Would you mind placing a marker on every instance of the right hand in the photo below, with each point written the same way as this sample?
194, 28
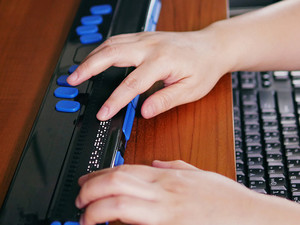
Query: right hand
189, 64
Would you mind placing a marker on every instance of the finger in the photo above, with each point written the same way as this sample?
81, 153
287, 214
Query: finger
165, 99
127, 209
177, 164
112, 55
139, 81
115, 40
146, 173
116, 183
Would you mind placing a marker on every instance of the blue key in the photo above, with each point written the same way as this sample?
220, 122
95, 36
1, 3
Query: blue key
91, 38
67, 106
72, 68
91, 20
101, 9
55, 223
66, 92
71, 223
62, 81
86, 29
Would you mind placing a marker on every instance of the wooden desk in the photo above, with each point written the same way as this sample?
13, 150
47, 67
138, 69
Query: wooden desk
32, 34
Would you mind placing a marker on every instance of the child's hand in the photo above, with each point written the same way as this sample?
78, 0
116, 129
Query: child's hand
188, 63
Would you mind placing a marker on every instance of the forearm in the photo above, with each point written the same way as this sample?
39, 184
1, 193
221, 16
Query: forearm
267, 39
274, 210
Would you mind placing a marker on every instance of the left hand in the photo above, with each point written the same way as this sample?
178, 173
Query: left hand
167, 193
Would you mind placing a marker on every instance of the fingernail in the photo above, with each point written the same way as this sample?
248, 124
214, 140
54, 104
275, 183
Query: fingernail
148, 111
78, 203
103, 113
73, 77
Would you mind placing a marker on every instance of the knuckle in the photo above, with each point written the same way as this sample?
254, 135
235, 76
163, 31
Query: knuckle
115, 177
120, 203
131, 83
111, 51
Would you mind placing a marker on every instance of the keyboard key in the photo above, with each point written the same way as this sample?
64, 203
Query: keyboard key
67, 106
101, 9
72, 68
66, 92
91, 38
267, 101
257, 184
86, 29
56, 223
62, 81
281, 75
285, 102
71, 223
92, 20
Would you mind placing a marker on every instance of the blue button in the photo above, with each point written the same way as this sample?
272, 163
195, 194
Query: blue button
67, 106
135, 101
72, 68
62, 81
66, 92
101, 9
86, 29
55, 223
71, 223
119, 160
90, 38
128, 122
89, 20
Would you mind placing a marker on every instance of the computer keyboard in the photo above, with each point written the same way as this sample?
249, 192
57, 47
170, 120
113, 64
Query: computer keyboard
66, 140
266, 124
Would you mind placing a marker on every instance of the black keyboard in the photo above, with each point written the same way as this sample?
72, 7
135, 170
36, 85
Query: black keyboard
266, 125
67, 140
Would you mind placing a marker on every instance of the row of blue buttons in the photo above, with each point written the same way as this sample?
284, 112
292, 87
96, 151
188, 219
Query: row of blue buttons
65, 91
88, 31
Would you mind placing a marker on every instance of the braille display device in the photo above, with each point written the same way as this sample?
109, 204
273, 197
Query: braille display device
67, 141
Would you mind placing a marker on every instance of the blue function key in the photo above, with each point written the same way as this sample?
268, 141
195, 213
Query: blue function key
67, 106
87, 29
66, 92
71, 223
72, 68
92, 20
91, 38
56, 223
62, 81
101, 9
